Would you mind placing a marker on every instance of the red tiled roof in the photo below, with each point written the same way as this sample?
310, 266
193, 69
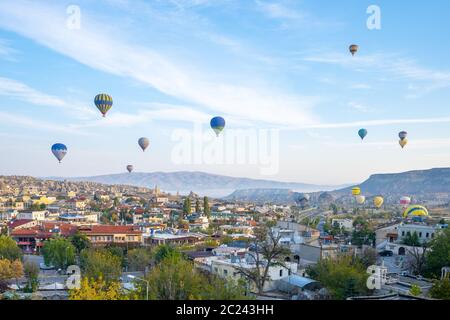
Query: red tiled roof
16, 223
43, 230
109, 229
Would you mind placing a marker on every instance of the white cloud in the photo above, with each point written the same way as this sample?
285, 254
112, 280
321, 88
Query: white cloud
18, 90
46, 25
27, 122
390, 64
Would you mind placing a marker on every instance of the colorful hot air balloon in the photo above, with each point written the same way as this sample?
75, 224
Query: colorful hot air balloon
360, 199
130, 168
356, 191
143, 143
378, 202
59, 151
362, 133
405, 201
403, 142
217, 124
415, 211
103, 102
402, 135
353, 49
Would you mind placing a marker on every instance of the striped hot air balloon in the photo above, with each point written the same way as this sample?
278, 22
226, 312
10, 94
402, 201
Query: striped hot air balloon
103, 102
415, 211
356, 191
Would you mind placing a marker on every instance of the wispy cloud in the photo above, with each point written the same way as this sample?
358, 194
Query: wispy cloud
33, 123
7, 52
46, 25
395, 66
20, 91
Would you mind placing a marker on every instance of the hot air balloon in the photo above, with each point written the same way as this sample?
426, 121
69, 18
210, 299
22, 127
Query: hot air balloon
353, 49
143, 143
360, 199
378, 202
59, 151
130, 168
217, 124
103, 102
402, 135
362, 133
356, 191
415, 211
405, 201
403, 142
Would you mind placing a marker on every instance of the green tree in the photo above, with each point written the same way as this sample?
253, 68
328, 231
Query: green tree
58, 252
197, 206
175, 278
9, 249
31, 272
206, 208
80, 241
187, 206
164, 251
441, 289
412, 240
139, 259
343, 276
100, 263
439, 254
415, 290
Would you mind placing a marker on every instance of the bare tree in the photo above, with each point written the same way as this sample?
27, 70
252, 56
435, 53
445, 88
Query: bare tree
267, 251
417, 259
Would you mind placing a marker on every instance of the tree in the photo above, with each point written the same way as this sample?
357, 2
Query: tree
441, 289
267, 252
80, 242
164, 251
9, 249
139, 259
206, 208
369, 257
363, 233
439, 254
10, 270
415, 290
58, 252
412, 240
187, 207
100, 263
31, 272
343, 276
98, 289
416, 260
175, 278
197, 206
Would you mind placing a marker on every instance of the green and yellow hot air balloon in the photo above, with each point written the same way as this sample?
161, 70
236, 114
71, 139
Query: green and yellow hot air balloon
378, 201
415, 211
103, 102
356, 191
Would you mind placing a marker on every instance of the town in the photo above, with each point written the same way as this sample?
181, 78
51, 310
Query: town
135, 243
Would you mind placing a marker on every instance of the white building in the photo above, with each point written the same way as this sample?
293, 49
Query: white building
31, 215
346, 224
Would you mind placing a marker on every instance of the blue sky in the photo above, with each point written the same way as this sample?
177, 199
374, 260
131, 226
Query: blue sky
281, 64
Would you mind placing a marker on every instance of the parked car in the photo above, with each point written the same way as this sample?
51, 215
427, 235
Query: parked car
43, 266
386, 253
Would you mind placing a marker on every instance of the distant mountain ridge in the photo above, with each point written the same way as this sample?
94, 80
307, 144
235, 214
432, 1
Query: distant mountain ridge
200, 182
417, 182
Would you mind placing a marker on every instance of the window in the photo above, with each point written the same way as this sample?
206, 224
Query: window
427, 235
281, 272
403, 233
432, 235
225, 271
420, 234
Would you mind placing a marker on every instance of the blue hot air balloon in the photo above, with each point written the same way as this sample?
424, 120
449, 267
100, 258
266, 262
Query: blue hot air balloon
362, 133
217, 124
59, 151
103, 102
